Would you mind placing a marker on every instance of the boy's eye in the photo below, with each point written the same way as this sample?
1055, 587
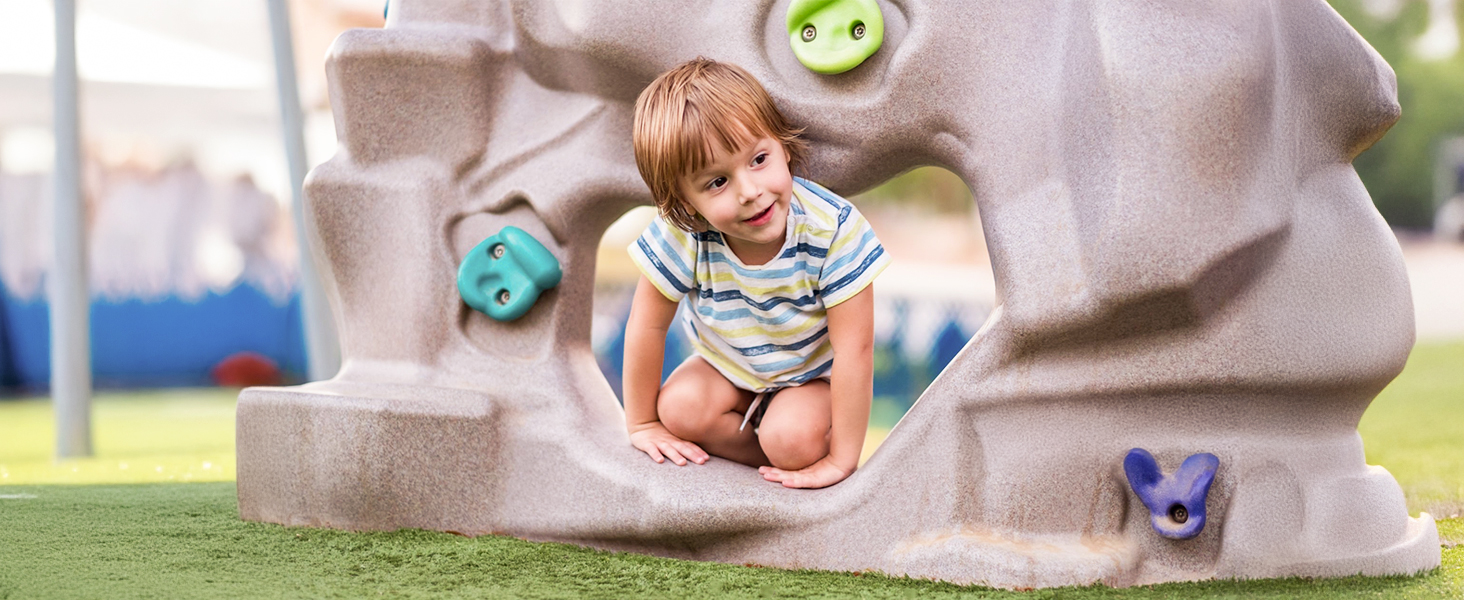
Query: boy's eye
760, 158
716, 183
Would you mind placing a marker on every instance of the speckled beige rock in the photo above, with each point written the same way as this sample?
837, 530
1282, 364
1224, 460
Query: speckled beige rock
1187, 260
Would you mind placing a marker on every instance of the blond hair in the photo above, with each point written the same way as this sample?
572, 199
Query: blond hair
685, 110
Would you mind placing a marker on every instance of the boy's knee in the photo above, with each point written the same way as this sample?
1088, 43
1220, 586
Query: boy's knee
683, 416
793, 446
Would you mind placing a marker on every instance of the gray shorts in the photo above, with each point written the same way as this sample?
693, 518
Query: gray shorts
759, 406
757, 409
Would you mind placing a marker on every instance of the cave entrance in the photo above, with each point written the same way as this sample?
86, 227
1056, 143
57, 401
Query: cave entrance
934, 296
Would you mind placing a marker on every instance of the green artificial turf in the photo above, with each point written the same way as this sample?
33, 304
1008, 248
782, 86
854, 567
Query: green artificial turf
186, 541
138, 437
1415, 429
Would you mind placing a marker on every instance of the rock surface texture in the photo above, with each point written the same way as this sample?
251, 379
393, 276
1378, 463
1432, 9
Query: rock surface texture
1186, 259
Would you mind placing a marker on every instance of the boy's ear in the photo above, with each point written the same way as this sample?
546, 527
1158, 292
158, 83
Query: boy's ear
677, 200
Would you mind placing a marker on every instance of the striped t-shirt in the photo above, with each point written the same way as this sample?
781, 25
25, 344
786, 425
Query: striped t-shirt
766, 326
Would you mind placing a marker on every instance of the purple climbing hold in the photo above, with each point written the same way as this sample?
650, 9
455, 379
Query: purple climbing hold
1176, 502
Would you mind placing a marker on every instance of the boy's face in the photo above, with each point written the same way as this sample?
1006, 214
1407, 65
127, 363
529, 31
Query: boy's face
744, 194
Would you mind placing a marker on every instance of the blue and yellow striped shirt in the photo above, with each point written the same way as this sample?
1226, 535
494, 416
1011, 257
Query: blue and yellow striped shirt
766, 326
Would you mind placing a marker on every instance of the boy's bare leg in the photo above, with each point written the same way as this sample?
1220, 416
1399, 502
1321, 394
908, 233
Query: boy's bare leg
699, 405
795, 430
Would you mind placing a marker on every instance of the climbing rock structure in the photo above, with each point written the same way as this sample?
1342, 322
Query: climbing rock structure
1187, 263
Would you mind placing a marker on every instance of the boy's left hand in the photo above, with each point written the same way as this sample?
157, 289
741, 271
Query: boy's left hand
823, 473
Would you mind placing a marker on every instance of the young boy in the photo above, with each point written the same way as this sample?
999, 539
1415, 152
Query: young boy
775, 273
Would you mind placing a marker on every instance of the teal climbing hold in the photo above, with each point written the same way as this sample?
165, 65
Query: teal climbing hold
504, 274
833, 36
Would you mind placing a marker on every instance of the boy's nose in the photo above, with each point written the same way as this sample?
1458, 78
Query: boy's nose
747, 189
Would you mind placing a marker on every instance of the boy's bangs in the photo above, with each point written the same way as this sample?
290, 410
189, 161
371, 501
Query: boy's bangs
702, 134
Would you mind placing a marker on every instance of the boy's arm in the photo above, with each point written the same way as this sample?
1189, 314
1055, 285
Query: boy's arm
851, 332
645, 348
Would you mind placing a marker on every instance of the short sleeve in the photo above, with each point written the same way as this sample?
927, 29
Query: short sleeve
666, 255
854, 259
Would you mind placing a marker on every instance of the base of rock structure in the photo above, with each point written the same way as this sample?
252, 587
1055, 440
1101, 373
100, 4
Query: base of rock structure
375, 456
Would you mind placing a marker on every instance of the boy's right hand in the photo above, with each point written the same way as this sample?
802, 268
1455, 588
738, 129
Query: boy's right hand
655, 440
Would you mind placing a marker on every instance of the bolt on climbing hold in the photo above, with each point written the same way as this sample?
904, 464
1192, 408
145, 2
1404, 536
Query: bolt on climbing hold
1176, 502
504, 274
833, 36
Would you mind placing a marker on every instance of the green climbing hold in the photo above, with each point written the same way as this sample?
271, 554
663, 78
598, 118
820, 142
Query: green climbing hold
833, 36
504, 274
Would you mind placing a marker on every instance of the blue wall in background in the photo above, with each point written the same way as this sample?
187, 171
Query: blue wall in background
176, 343
169, 342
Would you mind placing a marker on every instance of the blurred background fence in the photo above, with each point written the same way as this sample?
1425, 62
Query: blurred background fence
185, 274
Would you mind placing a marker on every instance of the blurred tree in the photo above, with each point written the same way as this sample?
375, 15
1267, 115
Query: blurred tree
1399, 169
926, 189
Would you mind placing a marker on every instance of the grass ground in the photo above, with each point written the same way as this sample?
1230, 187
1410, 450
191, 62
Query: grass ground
1415, 429
139, 437
159, 537
186, 541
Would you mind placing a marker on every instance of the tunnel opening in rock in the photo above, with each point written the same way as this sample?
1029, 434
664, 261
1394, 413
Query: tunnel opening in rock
933, 298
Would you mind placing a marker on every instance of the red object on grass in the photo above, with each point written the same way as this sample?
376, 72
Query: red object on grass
245, 369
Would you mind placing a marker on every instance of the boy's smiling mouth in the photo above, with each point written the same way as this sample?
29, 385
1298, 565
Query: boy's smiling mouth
760, 218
